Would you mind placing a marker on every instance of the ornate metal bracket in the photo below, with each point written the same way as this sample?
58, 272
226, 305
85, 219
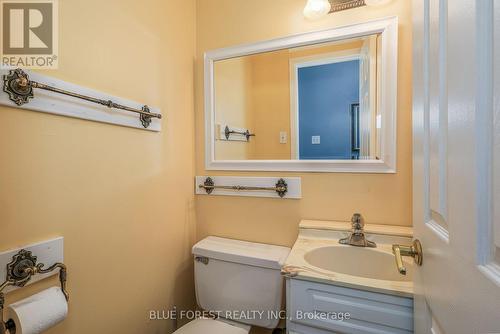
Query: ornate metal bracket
281, 187
16, 85
19, 272
339, 5
20, 89
208, 185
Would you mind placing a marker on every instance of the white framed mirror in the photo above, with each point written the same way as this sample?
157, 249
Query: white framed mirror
322, 101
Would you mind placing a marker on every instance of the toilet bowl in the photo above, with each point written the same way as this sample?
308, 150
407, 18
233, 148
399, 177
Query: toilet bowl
211, 326
239, 281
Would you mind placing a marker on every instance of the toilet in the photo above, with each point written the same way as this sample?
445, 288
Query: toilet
240, 282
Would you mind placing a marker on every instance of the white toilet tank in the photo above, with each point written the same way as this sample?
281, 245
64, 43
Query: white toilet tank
240, 279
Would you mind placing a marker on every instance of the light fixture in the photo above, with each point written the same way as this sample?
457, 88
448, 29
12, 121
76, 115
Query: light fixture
377, 2
316, 9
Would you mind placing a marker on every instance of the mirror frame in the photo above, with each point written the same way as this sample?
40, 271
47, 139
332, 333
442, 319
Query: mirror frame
388, 28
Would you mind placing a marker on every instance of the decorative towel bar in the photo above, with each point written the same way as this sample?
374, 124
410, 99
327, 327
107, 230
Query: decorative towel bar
281, 187
246, 133
20, 89
19, 272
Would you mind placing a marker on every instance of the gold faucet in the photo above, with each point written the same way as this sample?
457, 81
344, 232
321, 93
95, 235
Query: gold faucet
414, 251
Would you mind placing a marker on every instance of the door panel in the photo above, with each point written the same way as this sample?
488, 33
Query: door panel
488, 95
454, 125
496, 134
437, 118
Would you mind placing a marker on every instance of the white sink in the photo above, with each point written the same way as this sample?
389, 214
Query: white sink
357, 261
324, 275
318, 256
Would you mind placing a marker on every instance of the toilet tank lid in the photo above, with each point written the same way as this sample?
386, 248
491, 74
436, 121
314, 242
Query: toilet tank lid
243, 252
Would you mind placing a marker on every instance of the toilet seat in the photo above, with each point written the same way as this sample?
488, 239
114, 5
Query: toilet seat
209, 326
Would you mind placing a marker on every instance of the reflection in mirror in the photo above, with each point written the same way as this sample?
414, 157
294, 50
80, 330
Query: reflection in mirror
313, 102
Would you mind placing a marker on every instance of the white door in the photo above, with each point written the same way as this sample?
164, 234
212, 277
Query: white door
456, 126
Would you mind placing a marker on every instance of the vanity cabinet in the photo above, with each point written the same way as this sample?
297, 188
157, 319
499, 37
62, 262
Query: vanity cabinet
317, 308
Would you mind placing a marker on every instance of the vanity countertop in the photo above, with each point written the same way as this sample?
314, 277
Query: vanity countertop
314, 235
402, 231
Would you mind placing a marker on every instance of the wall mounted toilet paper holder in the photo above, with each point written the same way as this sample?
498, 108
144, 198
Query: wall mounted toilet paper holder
19, 272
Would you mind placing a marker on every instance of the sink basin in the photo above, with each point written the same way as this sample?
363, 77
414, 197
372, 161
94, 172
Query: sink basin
358, 261
317, 256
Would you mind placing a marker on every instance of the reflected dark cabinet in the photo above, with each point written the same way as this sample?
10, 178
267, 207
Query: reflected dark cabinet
355, 131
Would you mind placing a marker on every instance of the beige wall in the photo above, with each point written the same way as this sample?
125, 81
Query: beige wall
384, 199
122, 198
253, 92
233, 102
271, 104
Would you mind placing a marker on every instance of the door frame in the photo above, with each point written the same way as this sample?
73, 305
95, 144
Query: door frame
302, 62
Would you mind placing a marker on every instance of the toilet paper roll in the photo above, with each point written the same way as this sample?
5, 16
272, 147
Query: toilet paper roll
39, 312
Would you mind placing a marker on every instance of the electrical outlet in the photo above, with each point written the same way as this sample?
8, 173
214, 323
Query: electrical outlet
283, 137
316, 140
